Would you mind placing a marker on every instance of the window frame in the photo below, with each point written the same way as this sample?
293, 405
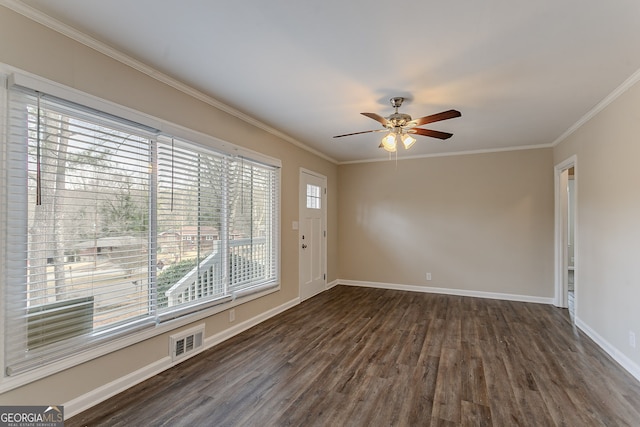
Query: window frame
12, 77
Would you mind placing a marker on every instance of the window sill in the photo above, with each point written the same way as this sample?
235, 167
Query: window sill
12, 382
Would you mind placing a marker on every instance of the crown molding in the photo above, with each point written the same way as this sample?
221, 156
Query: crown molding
626, 85
74, 34
453, 153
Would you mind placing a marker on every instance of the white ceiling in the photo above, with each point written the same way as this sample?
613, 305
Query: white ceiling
521, 72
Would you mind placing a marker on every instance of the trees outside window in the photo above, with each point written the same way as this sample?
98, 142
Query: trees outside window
133, 223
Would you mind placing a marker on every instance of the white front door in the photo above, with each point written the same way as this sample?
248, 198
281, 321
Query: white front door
312, 234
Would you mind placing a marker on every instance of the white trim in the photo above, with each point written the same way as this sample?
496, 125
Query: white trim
332, 284
165, 128
3, 200
9, 383
448, 291
560, 292
26, 79
633, 79
50, 87
86, 401
208, 141
301, 208
100, 394
450, 154
628, 364
72, 33
250, 323
312, 173
626, 85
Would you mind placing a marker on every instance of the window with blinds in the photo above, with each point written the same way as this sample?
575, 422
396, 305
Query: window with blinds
216, 227
111, 226
252, 226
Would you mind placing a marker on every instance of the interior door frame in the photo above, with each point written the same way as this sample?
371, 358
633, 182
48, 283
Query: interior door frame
301, 206
561, 232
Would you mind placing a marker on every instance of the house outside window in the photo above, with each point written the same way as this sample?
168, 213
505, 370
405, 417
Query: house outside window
96, 210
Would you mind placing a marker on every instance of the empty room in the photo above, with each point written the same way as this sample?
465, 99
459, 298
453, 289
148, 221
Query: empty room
319, 213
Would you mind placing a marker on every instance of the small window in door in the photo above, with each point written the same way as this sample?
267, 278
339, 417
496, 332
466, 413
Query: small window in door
313, 197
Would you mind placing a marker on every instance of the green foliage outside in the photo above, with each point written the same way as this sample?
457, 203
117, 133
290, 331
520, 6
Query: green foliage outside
170, 275
244, 268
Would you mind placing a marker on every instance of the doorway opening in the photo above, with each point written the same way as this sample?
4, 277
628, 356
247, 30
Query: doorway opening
566, 290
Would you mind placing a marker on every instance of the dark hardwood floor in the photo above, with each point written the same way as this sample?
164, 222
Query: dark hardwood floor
369, 357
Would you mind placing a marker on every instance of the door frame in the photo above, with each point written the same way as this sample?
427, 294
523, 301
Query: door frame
301, 207
561, 233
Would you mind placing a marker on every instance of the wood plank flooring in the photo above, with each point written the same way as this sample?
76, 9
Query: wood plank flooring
370, 357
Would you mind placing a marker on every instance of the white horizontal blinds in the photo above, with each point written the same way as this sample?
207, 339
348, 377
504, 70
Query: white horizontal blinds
108, 226
191, 225
14, 213
253, 225
79, 189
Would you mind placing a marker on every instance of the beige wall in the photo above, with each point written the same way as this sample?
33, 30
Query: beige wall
607, 148
481, 222
31, 47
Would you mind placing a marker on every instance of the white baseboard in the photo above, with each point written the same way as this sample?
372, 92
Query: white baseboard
100, 394
448, 291
616, 354
243, 326
332, 284
106, 391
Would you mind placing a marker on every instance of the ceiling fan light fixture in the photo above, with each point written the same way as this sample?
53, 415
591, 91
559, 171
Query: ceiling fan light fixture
389, 142
401, 127
407, 140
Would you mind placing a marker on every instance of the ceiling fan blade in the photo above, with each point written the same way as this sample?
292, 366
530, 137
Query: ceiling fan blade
358, 133
445, 115
378, 118
431, 133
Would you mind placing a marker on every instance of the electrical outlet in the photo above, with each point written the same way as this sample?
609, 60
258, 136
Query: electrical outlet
428, 276
232, 315
632, 339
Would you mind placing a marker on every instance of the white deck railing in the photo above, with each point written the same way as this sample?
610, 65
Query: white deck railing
247, 262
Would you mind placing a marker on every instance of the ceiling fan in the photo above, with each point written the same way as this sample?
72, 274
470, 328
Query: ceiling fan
400, 126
